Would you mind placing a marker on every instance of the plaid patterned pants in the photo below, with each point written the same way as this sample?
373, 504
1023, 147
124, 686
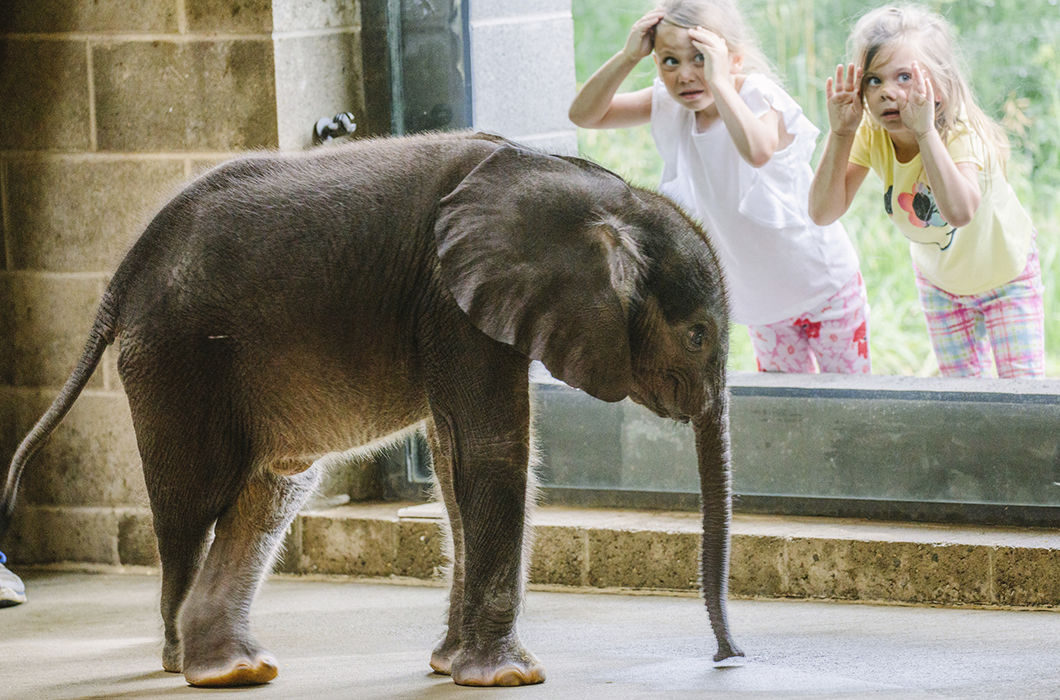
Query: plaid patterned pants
1009, 320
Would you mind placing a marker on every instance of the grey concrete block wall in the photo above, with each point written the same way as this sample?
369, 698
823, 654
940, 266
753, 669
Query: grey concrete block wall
193, 95
314, 77
7, 335
51, 315
45, 89
315, 15
522, 66
63, 16
238, 16
86, 224
92, 461
106, 109
319, 70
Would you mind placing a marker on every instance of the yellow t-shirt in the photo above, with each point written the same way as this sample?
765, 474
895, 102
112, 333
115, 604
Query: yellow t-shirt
990, 251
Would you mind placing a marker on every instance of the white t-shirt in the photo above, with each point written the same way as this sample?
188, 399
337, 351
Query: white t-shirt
778, 263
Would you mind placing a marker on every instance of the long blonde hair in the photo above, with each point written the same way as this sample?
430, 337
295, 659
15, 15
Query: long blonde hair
724, 19
932, 38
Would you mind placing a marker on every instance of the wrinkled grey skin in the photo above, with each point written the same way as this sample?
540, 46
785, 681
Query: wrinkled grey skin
286, 306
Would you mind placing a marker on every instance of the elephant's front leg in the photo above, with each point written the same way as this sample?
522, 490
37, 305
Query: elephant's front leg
491, 497
489, 457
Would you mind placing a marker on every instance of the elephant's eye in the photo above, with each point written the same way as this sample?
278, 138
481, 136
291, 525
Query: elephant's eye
696, 336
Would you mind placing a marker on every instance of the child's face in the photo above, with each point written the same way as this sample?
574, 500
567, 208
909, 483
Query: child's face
886, 85
680, 66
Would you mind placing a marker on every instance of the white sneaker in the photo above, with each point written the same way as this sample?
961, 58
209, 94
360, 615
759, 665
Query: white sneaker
12, 590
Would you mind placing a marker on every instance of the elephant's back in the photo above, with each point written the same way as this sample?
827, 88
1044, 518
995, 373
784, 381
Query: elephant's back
296, 280
293, 227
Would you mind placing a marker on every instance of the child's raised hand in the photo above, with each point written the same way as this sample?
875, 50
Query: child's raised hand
641, 38
844, 99
715, 53
917, 109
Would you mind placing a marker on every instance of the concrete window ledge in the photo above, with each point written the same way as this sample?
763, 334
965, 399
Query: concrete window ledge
772, 556
896, 448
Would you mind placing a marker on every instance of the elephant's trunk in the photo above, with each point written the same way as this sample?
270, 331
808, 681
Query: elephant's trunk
712, 448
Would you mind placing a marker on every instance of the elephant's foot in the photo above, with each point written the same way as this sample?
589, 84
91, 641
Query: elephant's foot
728, 655
507, 664
172, 657
257, 671
443, 655
233, 663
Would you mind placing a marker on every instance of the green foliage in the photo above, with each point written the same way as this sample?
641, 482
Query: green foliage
1010, 48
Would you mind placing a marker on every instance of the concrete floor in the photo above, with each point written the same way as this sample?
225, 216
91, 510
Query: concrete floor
98, 635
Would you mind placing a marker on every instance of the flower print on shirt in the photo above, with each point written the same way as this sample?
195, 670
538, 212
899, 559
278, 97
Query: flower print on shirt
921, 207
923, 213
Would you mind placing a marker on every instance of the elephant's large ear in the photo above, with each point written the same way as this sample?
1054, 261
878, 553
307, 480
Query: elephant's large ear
531, 250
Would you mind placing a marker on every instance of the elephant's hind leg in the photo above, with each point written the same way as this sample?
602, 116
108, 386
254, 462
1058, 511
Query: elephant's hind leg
189, 484
215, 624
182, 550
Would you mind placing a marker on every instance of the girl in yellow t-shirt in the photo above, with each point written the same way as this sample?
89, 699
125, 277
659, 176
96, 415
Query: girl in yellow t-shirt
905, 110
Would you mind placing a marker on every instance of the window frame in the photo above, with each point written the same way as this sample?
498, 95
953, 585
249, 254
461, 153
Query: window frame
932, 395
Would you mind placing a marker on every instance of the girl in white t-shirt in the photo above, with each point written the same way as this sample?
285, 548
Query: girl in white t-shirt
736, 154
906, 112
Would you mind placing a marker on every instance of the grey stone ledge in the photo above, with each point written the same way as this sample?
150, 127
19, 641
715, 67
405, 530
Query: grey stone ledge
773, 556
645, 551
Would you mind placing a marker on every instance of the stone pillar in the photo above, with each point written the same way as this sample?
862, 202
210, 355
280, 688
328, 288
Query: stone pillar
317, 52
522, 71
106, 109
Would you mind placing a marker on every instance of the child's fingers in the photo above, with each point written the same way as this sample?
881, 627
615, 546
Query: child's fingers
926, 88
918, 80
645, 23
901, 101
704, 34
653, 18
846, 78
641, 38
852, 77
706, 40
828, 93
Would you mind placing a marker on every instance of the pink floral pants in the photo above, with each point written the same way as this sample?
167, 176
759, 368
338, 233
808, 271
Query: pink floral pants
834, 337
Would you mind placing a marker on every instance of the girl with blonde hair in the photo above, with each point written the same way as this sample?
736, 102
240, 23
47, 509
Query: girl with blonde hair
903, 109
736, 154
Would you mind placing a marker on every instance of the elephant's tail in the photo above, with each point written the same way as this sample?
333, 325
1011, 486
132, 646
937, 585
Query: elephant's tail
101, 335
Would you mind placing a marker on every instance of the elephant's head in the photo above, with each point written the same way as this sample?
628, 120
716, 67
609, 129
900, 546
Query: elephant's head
612, 287
616, 291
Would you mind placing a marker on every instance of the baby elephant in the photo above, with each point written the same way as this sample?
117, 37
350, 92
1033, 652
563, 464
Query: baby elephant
287, 306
